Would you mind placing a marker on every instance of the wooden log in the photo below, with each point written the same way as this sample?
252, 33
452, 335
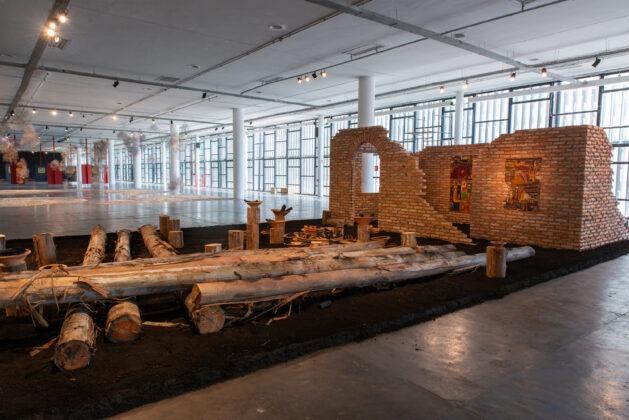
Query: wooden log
270, 288
173, 224
325, 217
275, 236
317, 243
206, 318
175, 238
76, 341
116, 282
163, 226
123, 246
235, 239
96, 249
213, 248
155, 246
408, 239
123, 323
496, 261
253, 227
363, 234
45, 250
3, 242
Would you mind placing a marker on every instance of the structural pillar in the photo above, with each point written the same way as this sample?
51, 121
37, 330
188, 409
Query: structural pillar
366, 118
320, 166
174, 158
111, 166
164, 172
240, 154
458, 117
79, 168
137, 166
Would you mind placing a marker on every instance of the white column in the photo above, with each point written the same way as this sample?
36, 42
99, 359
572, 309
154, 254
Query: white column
366, 118
174, 158
240, 154
137, 166
197, 166
79, 169
111, 165
458, 117
164, 173
320, 130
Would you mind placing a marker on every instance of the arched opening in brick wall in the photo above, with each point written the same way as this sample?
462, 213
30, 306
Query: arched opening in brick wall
366, 157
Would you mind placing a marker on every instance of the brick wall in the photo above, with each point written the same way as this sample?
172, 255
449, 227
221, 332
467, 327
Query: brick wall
577, 209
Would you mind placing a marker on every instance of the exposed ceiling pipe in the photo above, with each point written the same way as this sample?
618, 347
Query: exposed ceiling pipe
363, 13
30, 67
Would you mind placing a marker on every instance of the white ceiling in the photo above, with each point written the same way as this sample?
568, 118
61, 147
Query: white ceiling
145, 39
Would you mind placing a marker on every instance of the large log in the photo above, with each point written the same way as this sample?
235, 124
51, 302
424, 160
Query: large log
45, 250
496, 261
121, 281
207, 319
76, 341
269, 288
96, 249
123, 246
123, 322
154, 244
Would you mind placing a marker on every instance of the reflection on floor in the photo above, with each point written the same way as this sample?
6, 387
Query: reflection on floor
131, 208
547, 352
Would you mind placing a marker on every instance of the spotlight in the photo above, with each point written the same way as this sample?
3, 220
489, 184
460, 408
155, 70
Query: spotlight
50, 32
70, 114
57, 39
131, 119
215, 128
116, 83
204, 95
299, 80
113, 131
314, 75
13, 113
81, 129
442, 89
544, 72
153, 121
171, 122
512, 77
53, 112
83, 115
34, 111
52, 25
307, 78
250, 122
66, 128
323, 73
63, 17
46, 127
114, 117
466, 84
596, 62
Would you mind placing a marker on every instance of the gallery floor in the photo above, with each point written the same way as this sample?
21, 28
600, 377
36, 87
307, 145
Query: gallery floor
559, 350
79, 217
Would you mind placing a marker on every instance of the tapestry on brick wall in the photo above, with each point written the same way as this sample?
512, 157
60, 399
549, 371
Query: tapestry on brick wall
524, 187
461, 184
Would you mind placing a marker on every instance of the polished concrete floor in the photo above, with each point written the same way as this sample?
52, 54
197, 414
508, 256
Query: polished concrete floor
80, 218
559, 350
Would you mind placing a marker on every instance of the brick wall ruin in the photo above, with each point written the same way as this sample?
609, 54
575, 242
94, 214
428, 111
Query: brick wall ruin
567, 203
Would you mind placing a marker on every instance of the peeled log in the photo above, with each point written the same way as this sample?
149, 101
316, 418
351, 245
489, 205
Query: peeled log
235, 239
96, 249
163, 226
207, 319
154, 244
45, 250
269, 288
123, 246
76, 341
123, 322
496, 262
175, 238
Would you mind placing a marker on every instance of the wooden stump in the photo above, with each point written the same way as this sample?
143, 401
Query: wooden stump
409, 239
163, 226
339, 227
123, 246
45, 251
206, 318
96, 249
175, 238
76, 341
3, 242
213, 248
253, 227
275, 236
496, 261
318, 243
325, 217
173, 224
155, 246
235, 239
363, 234
123, 323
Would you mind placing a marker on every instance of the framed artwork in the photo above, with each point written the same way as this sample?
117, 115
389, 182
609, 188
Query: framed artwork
461, 184
521, 175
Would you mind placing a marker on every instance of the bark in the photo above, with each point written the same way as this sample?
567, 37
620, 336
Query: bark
76, 341
123, 323
496, 262
163, 226
235, 239
175, 238
96, 249
213, 248
207, 319
154, 244
123, 246
45, 250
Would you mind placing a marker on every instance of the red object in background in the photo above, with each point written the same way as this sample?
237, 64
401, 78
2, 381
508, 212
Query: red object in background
86, 172
13, 173
106, 175
53, 177
376, 168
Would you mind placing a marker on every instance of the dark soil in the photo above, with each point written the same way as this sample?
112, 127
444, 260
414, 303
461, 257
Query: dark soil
169, 361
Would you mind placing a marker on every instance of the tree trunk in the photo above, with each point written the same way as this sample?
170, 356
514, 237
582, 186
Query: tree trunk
213, 248
253, 227
123, 246
275, 236
207, 319
496, 262
155, 246
408, 239
163, 226
123, 323
45, 251
96, 249
76, 341
271, 288
175, 238
173, 224
235, 239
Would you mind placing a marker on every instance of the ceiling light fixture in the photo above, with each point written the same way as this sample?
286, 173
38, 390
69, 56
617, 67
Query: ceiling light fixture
131, 119
52, 25
70, 114
46, 127
544, 72
153, 121
66, 128
277, 27
53, 112
323, 73
34, 111
204, 95
307, 78
299, 80
13, 113
314, 75
442, 89
63, 17
512, 77
114, 117
466, 84
596, 62
116, 83
50, 32
57, 39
